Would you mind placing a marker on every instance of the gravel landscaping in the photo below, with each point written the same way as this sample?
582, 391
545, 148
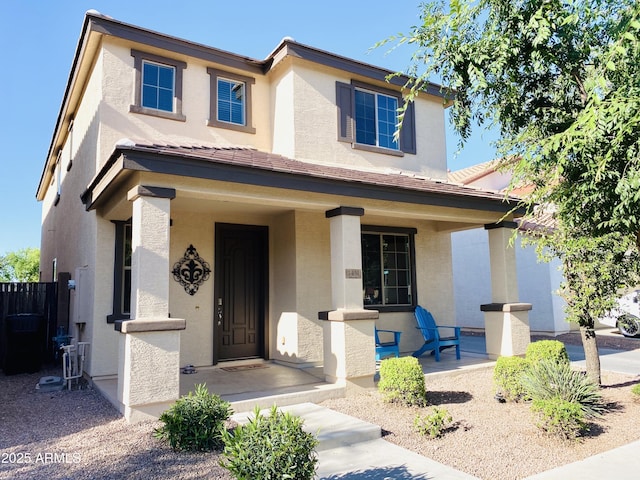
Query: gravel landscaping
78, 434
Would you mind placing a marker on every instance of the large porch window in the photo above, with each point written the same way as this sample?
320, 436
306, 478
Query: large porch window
388, 268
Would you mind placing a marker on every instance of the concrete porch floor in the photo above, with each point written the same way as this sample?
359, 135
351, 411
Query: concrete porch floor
247, 383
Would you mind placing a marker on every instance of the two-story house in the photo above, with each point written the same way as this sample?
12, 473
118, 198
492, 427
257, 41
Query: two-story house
212, 207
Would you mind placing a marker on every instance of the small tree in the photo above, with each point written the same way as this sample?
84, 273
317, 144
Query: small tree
595, 269
20, 266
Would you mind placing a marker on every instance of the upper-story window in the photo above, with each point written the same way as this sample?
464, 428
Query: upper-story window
231, 102
158, 85
368, 119
231, 105
376, 119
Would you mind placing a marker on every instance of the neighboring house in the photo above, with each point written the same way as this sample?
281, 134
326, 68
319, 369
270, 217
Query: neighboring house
211, 207
538, 282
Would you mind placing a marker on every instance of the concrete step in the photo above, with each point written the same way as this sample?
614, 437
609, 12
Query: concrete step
333, 429
318, 392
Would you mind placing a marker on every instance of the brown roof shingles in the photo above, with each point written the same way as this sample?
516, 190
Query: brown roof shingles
249, 157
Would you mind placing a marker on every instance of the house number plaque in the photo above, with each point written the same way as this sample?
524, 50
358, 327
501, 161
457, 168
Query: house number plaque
191, 271
353, 273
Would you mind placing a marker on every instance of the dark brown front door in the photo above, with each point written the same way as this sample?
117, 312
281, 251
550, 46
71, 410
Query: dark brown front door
240, 291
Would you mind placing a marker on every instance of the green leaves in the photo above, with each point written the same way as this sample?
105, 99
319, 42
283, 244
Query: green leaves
195, 422
20, 266
270, 447
402, 381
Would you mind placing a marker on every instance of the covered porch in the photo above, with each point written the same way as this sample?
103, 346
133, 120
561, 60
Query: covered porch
308, 307
247, 383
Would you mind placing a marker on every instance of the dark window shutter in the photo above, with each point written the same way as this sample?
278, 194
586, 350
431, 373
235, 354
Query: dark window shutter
408, 130
344, 102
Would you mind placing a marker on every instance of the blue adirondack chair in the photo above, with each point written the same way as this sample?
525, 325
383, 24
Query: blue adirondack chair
387, 348
431, 334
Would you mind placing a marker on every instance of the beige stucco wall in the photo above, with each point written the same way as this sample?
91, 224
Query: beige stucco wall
300, 286
307, 128
294, 113
74, 236
119, 123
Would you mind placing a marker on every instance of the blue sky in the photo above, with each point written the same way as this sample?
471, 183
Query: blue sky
38, 39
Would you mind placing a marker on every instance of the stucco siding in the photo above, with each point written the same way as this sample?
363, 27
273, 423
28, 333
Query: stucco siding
313, 272
196, 341
538, 283
315, 121
119, 91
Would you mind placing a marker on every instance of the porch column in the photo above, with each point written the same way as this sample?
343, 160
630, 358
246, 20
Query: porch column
506, 319
348, 332
149, 350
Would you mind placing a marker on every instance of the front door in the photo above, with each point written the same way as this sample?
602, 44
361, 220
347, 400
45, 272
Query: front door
240, 292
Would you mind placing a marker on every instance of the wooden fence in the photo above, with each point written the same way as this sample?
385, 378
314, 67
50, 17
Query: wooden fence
33, 297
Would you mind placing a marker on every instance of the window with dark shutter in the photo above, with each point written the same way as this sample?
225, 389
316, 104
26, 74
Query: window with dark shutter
367, 117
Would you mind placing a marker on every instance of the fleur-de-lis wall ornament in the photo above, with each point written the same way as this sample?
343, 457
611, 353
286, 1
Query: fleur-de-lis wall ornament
191, 271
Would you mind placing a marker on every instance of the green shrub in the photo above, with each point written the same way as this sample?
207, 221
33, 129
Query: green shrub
402, 381
434, 424
547, 380
559, 417
270, 447
553, 350
195, 422
636, 392
506, 377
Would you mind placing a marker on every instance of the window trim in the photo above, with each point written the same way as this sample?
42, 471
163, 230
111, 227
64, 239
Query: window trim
118, 272
249, 82
138, 58
345, 101
410, 233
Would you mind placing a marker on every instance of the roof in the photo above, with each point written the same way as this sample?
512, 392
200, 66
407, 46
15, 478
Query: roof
473, 173
251, 166
541, 219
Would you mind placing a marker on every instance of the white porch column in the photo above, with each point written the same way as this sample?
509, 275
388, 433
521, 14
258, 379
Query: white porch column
349, 346
506, 319
149, 350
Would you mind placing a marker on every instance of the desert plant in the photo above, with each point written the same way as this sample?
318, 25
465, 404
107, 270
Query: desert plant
559, 417
553, 350
547, 380
195, 422
635, 390
506, 377
402, 381
433, 424
270, 447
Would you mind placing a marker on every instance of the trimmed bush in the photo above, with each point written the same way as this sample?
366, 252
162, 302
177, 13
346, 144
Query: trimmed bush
402, 381
552, 350
195, 422
506, 377
548, 380
271, 447
434, 424
559, 417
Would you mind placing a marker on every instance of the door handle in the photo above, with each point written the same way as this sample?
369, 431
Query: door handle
219, 311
